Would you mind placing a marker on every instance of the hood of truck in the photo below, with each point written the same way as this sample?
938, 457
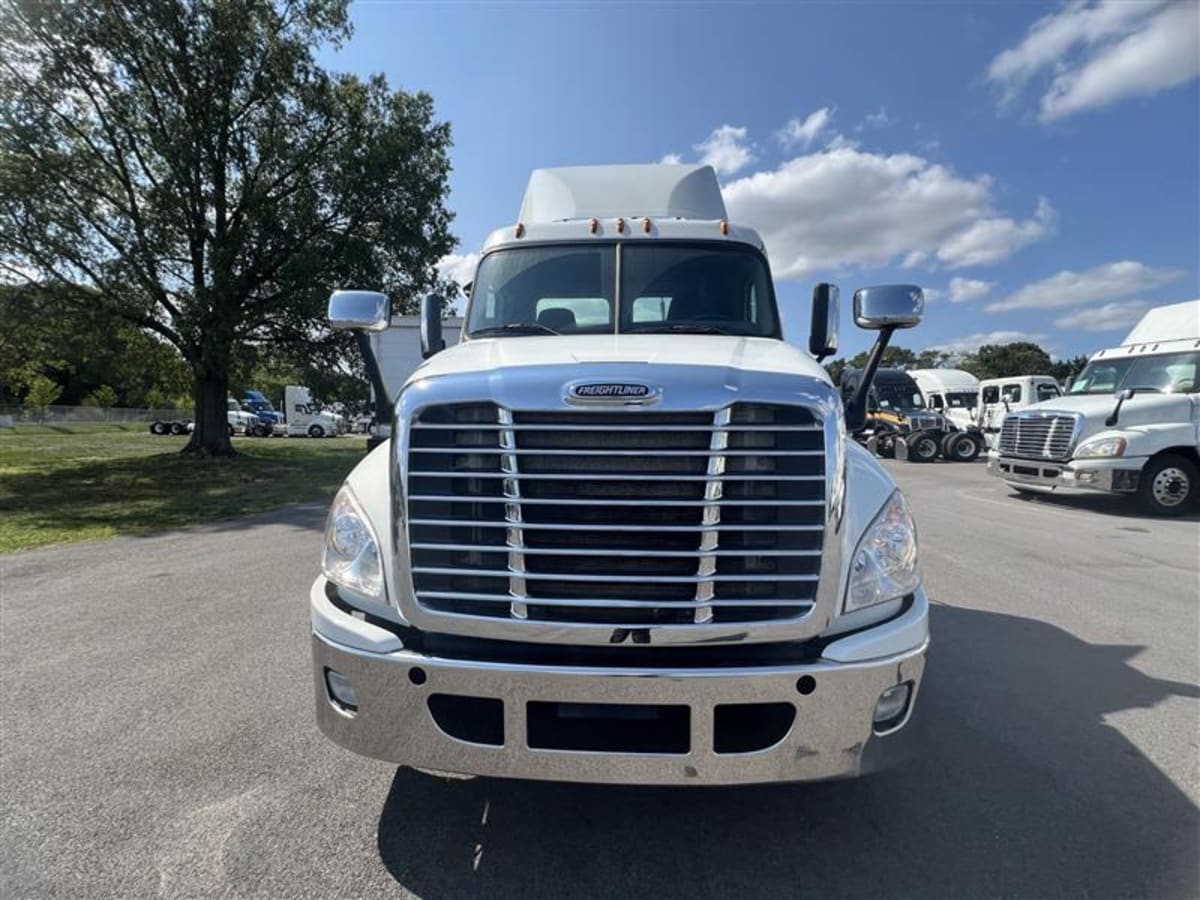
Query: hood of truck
1142, 409
712, 350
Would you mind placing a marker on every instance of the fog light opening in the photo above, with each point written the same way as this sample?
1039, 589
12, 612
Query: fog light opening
341, 692
416, 675
892, 707
806, 684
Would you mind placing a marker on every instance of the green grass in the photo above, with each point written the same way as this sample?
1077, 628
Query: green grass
57, 487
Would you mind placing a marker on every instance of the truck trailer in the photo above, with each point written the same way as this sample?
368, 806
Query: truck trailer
618, 533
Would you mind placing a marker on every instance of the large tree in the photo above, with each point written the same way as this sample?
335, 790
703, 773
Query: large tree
188, 167
1003, 360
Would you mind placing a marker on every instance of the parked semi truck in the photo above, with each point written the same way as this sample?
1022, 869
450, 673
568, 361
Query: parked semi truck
1000, 396
900, 425
618, 533
306, 416
1130, 423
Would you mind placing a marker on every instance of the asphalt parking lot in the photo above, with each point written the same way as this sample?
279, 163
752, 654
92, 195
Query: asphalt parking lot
157, 737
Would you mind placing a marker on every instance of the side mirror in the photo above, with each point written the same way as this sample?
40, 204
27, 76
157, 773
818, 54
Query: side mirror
359, 311
888, 306
823, 337
431, 326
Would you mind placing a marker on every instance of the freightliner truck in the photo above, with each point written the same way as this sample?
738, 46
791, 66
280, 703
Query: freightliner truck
1129, 424
619, 533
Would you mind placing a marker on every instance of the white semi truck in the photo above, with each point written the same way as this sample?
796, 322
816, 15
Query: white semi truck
1130, 423
619, 533
306, 416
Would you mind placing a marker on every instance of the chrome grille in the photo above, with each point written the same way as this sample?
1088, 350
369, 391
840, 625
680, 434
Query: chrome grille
1037, 435
629, 518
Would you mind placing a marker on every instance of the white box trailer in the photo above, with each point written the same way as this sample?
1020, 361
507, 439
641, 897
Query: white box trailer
398, 349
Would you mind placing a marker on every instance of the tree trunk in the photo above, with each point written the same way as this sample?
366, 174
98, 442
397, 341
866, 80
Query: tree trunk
210, 391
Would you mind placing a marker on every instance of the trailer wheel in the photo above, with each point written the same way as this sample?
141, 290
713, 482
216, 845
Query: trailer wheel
923, 447
1169, 485
178, 428
316, 431
158, 428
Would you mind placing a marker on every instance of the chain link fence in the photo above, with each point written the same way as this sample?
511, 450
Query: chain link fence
14, 416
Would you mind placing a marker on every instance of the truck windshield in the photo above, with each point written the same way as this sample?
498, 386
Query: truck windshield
961, 399
1168, 373
700, 287
898, 395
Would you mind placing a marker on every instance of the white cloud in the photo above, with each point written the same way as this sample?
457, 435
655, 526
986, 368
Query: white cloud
969, 343
1099, 53
1105, 282
990, 240
802, 132
877, 120
1109, 317
932, 294
671, 159
964, 289
726, 150
844, 207
458, 267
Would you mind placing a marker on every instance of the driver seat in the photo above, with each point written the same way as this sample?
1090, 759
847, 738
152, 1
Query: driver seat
557, 317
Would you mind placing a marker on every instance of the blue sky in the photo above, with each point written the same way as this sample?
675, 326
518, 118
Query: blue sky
1036, 167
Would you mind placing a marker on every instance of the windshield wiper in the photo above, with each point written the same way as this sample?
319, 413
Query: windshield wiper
686, 327
516, 328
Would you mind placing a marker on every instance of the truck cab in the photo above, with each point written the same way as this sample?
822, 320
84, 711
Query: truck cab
307, 416
618, 533
256, 402
1000, 396
1129, 424
952, 393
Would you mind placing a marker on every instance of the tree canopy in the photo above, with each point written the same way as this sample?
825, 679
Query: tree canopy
989, 361
187, 168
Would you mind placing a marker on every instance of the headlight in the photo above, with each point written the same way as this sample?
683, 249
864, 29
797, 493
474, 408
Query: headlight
885, 566
351, 556
1112, 446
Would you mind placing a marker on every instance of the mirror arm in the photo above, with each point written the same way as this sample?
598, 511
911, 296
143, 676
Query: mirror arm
382, 400
856, 412
1115, 416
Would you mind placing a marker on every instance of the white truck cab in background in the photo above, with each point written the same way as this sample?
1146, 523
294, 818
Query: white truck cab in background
1129, 424
1000, 396
951, 392
306, 417
619, 533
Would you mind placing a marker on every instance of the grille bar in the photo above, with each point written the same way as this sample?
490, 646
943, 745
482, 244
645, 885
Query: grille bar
575, 526
616, 579
707, 479
483, 426
462, 450
587, 551
602, 501
621, 604
617, 518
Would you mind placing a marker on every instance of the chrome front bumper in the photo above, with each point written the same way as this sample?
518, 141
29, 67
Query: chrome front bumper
831, 735
1116, 476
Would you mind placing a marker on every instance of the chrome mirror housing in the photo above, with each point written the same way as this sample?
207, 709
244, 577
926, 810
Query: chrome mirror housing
359, 311
888, 306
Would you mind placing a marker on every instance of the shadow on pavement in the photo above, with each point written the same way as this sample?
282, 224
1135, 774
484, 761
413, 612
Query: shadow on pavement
1097, 504
1023, 790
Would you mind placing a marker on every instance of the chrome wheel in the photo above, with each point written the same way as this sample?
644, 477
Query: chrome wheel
1171, 486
